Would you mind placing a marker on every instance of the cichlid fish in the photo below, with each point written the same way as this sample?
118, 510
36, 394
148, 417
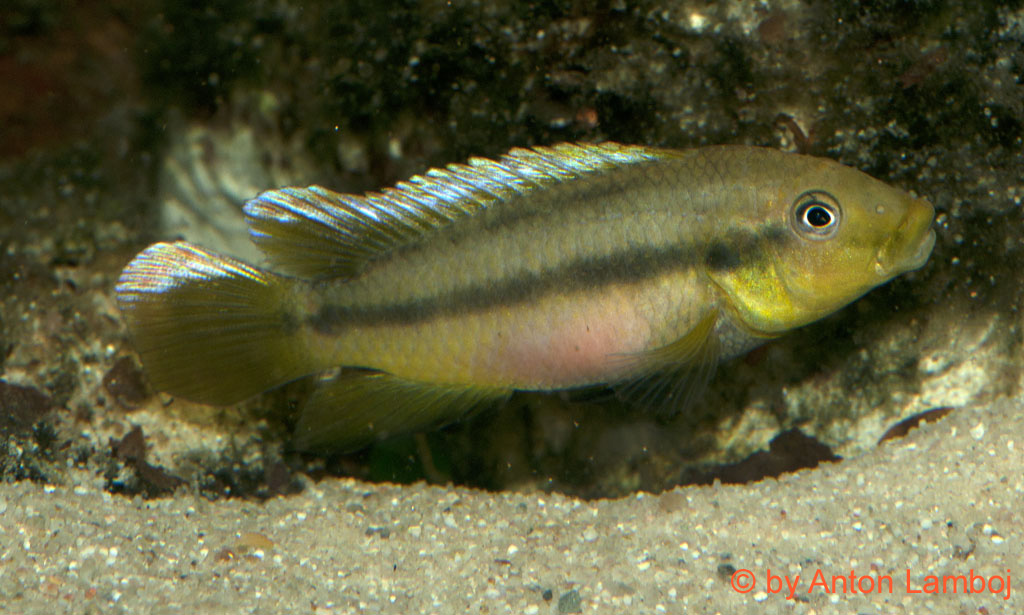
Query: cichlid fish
549, 268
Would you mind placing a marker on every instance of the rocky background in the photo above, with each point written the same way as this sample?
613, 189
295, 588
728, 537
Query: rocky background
122, 123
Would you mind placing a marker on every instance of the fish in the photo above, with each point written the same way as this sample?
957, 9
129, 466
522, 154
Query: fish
549, 268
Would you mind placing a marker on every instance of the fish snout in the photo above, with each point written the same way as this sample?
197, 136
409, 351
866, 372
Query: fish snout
910, 244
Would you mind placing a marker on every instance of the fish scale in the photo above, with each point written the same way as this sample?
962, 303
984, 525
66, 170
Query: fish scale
549, 268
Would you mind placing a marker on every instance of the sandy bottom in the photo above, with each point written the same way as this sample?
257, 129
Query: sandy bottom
945, 501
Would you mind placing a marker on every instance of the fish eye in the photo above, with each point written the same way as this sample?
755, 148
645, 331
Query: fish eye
816, 214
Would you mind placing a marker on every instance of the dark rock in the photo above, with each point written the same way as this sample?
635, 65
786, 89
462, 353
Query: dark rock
21, 407
125, 383
132, 447
902, 428
789, 451
153, 480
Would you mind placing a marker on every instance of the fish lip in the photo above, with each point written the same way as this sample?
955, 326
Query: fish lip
896, 257
924, 250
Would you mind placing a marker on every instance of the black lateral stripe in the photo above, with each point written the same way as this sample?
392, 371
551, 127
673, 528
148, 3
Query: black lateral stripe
737, 248
626, 266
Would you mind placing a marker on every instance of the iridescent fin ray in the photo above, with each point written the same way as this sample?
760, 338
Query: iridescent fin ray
317, 233
209, 328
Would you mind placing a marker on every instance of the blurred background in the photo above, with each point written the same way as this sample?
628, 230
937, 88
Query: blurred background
123, 123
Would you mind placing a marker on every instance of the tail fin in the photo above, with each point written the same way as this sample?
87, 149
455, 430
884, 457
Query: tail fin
210, 328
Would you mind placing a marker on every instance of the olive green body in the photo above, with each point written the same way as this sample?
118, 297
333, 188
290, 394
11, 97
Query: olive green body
549, 268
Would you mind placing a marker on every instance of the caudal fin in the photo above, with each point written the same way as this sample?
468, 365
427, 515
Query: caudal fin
210, 328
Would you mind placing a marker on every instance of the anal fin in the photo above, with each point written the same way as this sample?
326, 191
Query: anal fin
356, 407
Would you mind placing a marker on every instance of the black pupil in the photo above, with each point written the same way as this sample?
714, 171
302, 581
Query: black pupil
818, 217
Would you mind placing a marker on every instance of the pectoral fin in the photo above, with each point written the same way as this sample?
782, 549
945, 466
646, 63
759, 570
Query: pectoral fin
672, 378
354, 408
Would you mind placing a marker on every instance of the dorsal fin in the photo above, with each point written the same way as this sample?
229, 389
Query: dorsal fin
317, 233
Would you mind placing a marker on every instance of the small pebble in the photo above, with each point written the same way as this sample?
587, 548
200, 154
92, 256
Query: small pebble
570, 602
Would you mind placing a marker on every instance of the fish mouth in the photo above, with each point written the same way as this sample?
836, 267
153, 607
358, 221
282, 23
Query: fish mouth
910, 245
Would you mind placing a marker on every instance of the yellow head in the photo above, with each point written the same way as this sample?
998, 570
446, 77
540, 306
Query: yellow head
826, 235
